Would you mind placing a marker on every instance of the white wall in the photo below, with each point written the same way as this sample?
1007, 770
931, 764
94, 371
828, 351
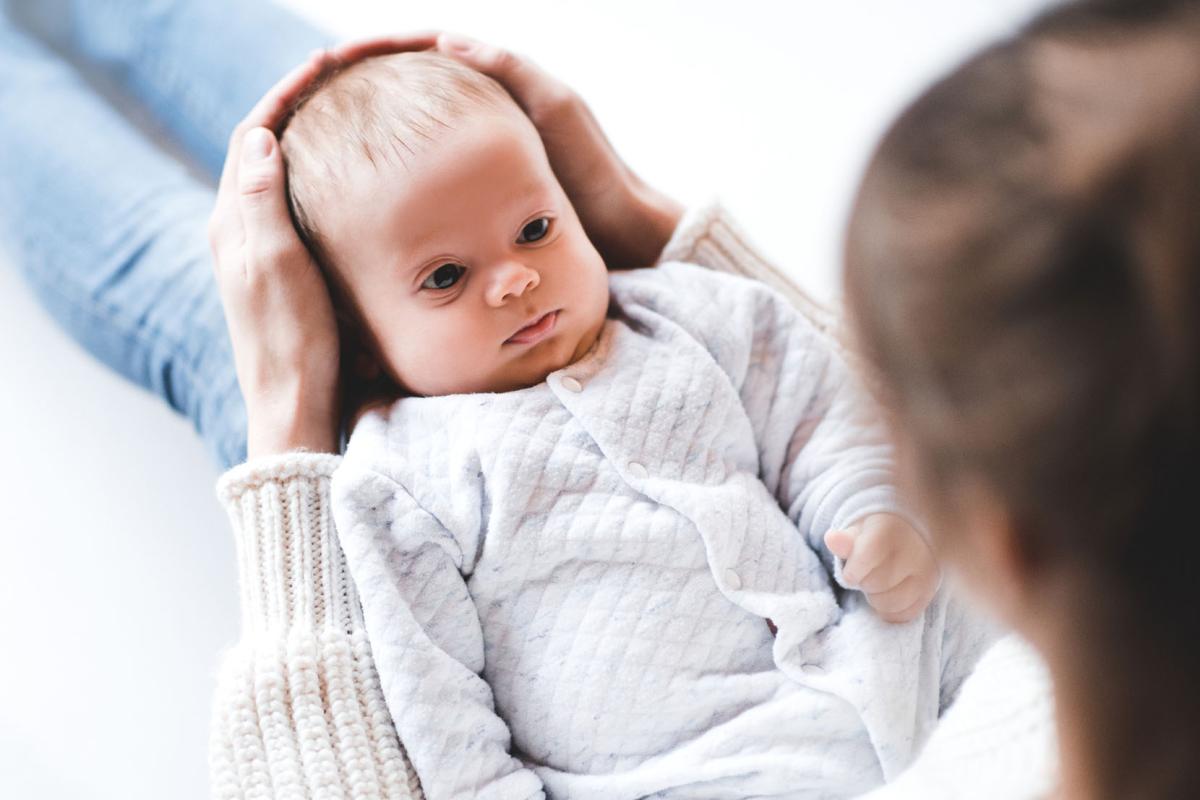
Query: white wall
117, 574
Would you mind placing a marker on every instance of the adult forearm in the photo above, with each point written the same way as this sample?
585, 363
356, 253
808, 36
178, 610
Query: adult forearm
642, 224
298, 711
287, 422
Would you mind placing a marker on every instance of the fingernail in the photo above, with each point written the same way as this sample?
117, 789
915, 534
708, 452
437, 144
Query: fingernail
458, 44
256, 145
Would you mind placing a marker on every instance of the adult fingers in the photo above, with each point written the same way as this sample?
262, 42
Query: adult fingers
384, 45
225, 225
531, 87
270, 110
273, 107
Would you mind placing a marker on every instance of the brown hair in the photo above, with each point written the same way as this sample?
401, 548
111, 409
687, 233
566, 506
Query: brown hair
371, 114
1023, 270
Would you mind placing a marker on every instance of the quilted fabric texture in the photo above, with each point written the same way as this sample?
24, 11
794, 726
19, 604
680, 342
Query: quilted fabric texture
566, 587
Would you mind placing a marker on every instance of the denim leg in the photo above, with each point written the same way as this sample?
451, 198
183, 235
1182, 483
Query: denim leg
111, 234
196, 65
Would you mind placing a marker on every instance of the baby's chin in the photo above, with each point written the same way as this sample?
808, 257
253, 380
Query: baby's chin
494, 385
521, 373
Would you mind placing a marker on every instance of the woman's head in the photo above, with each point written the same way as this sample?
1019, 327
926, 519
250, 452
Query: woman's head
1023, 270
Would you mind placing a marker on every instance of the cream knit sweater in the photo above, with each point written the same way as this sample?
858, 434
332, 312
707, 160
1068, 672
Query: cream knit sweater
299, 710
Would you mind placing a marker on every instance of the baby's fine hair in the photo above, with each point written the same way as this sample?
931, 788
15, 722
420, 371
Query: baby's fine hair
374, 113
377, 113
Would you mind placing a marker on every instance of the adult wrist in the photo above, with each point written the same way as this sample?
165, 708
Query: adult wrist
660, 214
281, 425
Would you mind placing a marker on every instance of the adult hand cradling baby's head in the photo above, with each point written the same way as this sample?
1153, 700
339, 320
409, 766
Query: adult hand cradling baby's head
628, 221
283, 329
281, 322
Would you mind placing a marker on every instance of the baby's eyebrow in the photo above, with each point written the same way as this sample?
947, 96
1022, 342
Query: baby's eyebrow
420, 243
533, 194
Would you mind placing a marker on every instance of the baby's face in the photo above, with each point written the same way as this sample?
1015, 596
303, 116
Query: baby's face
469, 266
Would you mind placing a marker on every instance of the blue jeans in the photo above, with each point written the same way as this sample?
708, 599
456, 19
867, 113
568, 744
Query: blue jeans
108, 228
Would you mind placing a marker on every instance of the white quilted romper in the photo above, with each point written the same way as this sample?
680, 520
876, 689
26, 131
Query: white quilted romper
566, 587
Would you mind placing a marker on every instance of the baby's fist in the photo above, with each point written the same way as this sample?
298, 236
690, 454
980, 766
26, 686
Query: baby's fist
890, 562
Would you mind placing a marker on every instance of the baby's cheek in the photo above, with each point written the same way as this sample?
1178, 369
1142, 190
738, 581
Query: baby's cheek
428, 373
440, 359
414, 362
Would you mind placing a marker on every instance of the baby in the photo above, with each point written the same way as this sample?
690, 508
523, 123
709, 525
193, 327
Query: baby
589, 538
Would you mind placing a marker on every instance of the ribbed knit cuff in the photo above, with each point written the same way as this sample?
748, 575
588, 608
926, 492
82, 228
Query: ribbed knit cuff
708, 236
291, 568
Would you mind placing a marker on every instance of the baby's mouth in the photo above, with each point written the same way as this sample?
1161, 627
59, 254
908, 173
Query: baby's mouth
536, 330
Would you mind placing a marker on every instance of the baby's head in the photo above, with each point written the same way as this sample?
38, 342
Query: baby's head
425, 194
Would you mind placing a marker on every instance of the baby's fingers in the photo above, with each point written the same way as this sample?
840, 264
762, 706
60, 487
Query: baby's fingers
840, 543
904, 602
887, 574
862, 559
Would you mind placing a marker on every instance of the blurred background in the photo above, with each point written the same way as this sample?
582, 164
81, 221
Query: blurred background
117, 581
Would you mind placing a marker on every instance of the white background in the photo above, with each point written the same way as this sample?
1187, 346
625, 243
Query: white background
117, 582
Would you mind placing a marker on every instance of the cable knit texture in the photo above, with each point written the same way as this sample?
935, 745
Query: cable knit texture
299, 712
708, 236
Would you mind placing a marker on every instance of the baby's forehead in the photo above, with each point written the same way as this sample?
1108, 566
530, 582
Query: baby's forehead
483, 169
485, 144
385, 111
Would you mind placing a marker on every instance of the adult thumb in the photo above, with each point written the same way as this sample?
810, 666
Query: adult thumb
260, 175
261, 197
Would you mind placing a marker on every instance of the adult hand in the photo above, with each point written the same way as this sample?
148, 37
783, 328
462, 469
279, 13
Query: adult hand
627, 220
277, 306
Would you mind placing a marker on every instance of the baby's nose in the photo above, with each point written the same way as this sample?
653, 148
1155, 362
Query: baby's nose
512, 279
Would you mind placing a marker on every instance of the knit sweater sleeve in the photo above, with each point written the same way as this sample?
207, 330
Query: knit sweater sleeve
708, 236
298, 710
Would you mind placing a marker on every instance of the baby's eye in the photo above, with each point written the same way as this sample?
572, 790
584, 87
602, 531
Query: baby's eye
444, 276
535, 230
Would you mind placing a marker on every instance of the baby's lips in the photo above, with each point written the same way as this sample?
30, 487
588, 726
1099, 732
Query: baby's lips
535, 329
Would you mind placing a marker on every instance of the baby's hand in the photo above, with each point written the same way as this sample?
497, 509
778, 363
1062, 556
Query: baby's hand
890, 562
